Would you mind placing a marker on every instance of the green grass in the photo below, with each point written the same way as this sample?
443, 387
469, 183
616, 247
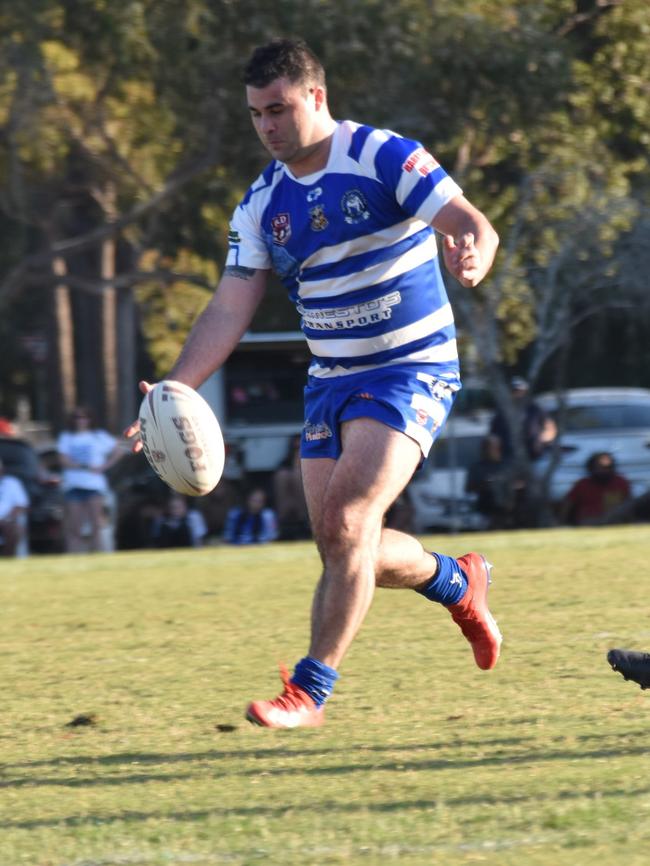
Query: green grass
424, 759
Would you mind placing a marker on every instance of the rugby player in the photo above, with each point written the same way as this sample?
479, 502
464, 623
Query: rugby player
346, 215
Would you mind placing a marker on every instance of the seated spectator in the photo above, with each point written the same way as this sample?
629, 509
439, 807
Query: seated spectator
599, 494
289, 496
178, 525
490, 478
14, 504
227, 494
255, 523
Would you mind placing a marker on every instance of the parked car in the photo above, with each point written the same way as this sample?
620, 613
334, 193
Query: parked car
437, 491
46, 506
600, 419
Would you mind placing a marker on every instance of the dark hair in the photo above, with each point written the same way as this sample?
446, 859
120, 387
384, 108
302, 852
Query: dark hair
284, 58
80, 411
595, 459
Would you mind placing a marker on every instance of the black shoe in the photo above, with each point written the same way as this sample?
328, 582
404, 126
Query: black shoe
634, 666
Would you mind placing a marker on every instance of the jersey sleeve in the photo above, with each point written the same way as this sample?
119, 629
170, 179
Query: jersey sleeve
246, 247
420, 184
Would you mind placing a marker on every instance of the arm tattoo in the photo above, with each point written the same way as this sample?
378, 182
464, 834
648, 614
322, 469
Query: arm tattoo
239, 272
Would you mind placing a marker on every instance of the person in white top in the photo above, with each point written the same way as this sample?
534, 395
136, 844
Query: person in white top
14, 504
86, 454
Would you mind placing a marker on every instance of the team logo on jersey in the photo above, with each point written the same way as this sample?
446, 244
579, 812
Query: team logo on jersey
354, 206
281, 228
315, 193
318, 220
421, 161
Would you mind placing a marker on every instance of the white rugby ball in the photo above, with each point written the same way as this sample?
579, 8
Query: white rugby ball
181, 438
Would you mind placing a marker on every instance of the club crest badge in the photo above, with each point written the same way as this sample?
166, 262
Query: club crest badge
281, 228
354, 207
317, 219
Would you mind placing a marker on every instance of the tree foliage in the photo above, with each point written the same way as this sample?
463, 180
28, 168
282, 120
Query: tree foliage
128, 121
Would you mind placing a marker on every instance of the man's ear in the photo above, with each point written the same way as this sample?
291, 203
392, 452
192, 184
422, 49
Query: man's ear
320, 97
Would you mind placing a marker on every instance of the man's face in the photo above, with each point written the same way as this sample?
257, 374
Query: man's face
285, 116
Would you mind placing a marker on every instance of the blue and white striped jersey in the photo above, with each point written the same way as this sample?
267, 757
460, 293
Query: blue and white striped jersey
353, 245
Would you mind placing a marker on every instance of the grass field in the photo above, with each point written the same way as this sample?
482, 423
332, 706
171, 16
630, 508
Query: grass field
424, 759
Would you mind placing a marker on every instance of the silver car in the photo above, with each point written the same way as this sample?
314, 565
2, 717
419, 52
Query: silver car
600, 419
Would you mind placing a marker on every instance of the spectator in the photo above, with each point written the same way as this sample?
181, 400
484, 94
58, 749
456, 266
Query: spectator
14, 504
85, 454
538, 428
594, 497
178, 525
255, 523
289, 496
228, 492
491, 479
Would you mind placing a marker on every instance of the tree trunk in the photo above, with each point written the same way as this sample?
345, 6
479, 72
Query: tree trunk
64, 392
126, 338
109, 319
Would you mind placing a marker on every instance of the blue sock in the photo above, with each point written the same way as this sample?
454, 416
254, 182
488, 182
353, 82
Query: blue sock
449, 584
316, 678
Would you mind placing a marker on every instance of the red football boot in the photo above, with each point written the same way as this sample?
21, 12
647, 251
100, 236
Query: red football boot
294, 708
471, 613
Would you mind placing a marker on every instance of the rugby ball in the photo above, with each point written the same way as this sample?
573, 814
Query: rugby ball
181, 438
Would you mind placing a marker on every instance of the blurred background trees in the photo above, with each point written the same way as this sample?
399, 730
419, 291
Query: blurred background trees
125, 144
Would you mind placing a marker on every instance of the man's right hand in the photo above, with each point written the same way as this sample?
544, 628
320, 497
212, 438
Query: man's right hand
132, 432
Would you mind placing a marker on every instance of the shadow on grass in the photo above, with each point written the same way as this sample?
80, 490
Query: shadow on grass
503, 758
328, 807
229, 754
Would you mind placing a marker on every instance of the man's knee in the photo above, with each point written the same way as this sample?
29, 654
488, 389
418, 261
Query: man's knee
346, 527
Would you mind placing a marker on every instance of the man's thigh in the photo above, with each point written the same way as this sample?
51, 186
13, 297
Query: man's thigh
375, 464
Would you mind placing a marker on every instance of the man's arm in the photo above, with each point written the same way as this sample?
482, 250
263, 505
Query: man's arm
470, 242
215, 333
220, 326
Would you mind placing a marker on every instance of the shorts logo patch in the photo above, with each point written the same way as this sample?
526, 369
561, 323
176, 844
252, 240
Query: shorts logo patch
354, 207
439, 390
314, 432
281, 228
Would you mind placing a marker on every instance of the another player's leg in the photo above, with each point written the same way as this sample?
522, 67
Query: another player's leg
632, 665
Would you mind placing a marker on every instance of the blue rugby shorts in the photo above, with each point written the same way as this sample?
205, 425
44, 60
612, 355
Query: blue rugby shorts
415, 400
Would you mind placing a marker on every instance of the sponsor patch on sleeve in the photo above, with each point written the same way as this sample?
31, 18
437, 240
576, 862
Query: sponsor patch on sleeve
421, 161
